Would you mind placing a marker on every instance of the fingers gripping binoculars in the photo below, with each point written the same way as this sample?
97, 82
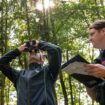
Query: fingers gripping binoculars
31, 46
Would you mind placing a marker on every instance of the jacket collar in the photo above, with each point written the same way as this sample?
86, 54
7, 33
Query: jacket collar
33, 66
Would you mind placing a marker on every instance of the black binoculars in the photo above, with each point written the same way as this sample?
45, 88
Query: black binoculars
31, 46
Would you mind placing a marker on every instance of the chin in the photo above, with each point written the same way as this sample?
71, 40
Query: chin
97, 47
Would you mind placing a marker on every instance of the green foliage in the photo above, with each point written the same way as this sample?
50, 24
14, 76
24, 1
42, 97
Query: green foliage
66, 24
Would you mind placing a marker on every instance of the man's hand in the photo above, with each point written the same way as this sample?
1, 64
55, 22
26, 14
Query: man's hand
22, 47
96, 70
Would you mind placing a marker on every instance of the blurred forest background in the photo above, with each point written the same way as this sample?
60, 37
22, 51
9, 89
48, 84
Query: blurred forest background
63, 22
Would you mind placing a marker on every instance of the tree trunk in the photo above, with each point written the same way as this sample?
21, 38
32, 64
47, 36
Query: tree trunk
71, 91
63, 89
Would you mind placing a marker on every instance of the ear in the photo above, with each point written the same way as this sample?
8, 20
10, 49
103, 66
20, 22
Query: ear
103, 30
42, 58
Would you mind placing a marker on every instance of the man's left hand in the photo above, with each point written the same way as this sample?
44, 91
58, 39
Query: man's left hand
96, 70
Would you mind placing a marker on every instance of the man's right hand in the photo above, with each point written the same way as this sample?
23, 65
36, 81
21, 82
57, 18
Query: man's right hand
22, 47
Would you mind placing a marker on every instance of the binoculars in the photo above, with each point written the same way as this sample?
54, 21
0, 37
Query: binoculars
31, 46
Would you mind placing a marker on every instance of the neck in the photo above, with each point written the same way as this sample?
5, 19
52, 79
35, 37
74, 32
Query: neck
103, 44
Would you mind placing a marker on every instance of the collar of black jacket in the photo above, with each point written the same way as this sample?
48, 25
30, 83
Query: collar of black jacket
33, 66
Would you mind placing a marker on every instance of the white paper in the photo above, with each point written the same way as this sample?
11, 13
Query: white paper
76, 67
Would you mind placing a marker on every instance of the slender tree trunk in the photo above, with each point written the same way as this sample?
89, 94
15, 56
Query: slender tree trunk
1, 77
63, 89
71, 90
4, 43
98, 11
2, 90
7, 93
28, 20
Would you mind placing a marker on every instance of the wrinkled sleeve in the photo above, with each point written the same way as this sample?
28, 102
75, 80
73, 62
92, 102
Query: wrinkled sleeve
54, 57
5, 67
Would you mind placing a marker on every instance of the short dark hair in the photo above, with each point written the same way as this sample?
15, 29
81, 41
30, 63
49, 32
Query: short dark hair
99, 24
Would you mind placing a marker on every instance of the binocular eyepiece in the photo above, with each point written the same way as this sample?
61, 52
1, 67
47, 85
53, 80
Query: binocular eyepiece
31, 46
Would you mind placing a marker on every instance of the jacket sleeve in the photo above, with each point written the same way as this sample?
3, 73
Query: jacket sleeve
97, 60
54, 57
5, 67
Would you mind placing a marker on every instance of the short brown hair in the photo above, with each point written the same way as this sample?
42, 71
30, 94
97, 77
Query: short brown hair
99, 24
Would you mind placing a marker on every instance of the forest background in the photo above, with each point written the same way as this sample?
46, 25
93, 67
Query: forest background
62, 22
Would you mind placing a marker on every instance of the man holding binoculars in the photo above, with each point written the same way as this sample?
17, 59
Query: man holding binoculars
34, 86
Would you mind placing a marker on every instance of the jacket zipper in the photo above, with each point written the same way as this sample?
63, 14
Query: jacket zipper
45, 87
28, 90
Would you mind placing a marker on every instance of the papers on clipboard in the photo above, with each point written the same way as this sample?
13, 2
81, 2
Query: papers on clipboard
75, 67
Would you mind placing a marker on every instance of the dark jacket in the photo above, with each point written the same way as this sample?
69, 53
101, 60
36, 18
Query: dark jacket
101, 58
35, 86
100, 88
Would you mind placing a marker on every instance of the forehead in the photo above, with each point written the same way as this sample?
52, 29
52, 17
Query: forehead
93, 30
